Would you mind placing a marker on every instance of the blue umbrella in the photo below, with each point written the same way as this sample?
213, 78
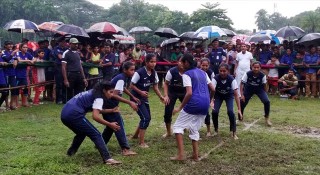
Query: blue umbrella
209, 32
271, 34
21, 26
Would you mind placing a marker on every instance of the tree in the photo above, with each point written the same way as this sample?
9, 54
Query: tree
277, 21
210, 15
262, 20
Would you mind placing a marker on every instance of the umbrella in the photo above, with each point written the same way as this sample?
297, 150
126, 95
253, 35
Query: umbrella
287, 31
106, 28
166, 32
229, 32
21, 26
209, 32
190, 36
257, 38
310, 39
72, 30
48, 28
271, 34
139, 30
169, 41
241, 37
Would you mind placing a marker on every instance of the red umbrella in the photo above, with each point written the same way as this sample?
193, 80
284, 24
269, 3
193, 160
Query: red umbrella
106, 28
50, 27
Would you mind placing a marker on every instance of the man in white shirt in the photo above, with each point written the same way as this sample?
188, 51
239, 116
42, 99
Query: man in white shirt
243, 63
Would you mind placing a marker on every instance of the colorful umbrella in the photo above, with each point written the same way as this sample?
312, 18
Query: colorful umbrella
210, 32
288, 31
21, 26
166, 32
106, 28
49, 28
241, 37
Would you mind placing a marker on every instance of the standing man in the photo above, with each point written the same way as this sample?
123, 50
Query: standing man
108, 63
136, 54
73, 75
243, 62
215, 56
57, 56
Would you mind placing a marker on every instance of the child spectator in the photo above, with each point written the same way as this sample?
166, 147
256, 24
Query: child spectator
38, 76
273, 74
288, 85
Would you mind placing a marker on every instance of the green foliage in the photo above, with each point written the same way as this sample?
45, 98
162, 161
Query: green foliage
262, 21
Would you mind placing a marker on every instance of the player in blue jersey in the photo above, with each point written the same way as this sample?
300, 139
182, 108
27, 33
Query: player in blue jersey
194, 106
255, 82
141, 81
205, 66
111, 111
73, 116
225, 90
172, 89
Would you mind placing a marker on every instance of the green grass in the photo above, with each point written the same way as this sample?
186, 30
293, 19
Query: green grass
34, 141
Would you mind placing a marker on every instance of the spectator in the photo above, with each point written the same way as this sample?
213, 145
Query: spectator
94, 72
176, 54
215, 56
72, 71
136, 54
38, 75
107, 64
273, 74
301, 75
311, 59
288, 85
3, 83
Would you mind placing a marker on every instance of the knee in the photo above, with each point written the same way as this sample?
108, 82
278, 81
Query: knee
215, 113
230, 113
266, 102
167, 119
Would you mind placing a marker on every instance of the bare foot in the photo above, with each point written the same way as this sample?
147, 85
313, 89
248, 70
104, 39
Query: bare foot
166, 135
194, 158
143, 145
209, 134
127, 152
177, 158
268, 123
112, 162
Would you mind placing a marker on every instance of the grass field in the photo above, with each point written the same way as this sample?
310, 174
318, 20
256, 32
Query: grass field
34, 141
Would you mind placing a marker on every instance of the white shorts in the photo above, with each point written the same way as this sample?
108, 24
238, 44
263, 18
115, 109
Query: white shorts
189, 121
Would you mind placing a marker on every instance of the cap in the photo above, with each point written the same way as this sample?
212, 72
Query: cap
73, 41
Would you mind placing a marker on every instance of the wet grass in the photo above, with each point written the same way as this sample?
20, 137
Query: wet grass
34, 141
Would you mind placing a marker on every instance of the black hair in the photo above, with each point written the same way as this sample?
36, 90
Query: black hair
40, 50
224, 65
8, 43
21, 45
189, 58
125, 66
149, 57
100, 86
292, 70
274, 56
256, 62
273, 42
204, 59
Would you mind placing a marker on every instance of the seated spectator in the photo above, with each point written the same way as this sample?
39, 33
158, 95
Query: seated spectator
273, 75
288, 85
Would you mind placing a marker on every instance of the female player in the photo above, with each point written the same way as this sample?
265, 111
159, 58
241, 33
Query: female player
73, 116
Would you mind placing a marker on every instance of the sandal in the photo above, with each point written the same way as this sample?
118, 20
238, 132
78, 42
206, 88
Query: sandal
13, 107
112, 162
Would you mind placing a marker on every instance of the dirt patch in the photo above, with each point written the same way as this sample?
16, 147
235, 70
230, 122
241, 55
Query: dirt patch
307, 132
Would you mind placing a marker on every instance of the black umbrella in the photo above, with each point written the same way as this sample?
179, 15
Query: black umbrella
169, 41
287, 31
166, 32
72, 30
190, 36
310, 39
229, 32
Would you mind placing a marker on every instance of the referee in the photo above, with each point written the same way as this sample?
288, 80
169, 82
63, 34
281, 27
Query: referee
72, 71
